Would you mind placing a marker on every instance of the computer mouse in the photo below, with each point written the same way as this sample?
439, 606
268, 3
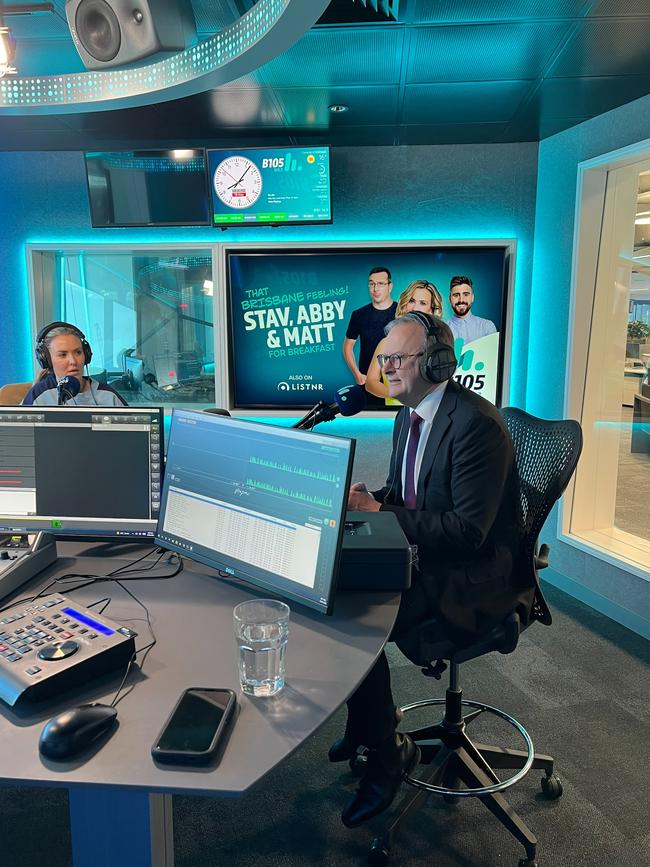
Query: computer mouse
72, 731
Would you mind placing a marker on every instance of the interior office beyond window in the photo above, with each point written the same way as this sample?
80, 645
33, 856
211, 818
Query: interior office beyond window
148, 316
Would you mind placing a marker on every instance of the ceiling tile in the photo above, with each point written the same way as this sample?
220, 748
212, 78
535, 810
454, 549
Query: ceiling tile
586, 97
212, 17
352, 136
452, 133
307, 107
427, 12
490, 101
338, 57
605, 47
482, 52
621, 8
36, 57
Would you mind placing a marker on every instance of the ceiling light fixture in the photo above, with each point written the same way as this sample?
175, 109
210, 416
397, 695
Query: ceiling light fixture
338, 108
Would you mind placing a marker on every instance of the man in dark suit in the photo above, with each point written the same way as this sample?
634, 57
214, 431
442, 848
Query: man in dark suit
452, 485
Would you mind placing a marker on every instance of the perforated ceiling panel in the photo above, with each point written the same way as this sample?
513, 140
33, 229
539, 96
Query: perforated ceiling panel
338, 57
606, 47
435, 11
482, 52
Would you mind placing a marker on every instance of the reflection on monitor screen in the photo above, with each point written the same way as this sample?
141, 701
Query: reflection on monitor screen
262, 503
81, 471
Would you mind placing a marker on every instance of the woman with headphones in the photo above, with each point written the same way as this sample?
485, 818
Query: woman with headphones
62, 351
419, 296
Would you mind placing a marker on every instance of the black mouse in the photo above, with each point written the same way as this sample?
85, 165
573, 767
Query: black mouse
74, 730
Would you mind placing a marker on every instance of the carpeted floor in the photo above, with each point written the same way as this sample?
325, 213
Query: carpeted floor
581, 688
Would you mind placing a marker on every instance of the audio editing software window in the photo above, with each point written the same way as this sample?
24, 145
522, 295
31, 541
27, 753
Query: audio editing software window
256, 501
87, 471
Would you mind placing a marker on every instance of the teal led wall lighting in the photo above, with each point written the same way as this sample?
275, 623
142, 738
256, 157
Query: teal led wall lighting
265, 31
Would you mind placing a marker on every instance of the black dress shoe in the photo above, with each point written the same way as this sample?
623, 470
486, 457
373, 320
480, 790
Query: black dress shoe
387, 766
343, 749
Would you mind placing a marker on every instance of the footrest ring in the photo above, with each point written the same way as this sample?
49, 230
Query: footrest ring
482, 790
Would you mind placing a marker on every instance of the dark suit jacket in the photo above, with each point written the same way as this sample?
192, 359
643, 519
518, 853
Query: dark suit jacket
466, 520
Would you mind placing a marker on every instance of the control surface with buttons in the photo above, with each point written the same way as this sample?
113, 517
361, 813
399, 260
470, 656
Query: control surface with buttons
51, 644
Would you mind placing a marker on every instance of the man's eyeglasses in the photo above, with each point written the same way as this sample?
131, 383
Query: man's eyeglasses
395, 360
378, 283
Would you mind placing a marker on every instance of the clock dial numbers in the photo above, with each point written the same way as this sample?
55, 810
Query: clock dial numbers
237, 182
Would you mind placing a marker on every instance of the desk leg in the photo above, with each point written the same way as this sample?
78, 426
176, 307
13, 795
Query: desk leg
111, 826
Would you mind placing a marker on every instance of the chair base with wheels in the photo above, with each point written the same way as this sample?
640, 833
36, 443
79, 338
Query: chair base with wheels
456, 767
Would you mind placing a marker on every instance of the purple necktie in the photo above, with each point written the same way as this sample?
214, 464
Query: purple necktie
411, 452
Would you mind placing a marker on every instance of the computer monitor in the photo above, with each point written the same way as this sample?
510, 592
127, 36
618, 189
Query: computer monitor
258, 502
81, 471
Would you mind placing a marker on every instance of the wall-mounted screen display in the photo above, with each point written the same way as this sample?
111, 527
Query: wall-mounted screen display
296, 313
147, 188
270, 186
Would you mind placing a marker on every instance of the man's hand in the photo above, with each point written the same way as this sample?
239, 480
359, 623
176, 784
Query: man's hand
360, 378
361, 500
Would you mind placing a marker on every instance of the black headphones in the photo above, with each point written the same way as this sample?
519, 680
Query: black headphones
440, 362
43, 353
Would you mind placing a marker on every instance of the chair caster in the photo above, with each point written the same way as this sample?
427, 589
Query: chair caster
551, 787
379, 853
527, 862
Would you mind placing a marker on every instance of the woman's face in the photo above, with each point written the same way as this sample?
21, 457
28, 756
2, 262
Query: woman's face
420, 302
67, 356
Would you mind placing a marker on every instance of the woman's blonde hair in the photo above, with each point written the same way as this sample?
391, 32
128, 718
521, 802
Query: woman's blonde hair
407, 294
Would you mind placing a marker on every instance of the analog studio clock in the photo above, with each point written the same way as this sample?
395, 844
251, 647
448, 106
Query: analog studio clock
238, 182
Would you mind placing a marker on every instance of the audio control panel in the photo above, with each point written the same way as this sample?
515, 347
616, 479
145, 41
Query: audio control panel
52, 644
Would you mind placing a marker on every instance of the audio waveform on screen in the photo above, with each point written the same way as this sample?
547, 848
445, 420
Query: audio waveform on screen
324, 502
298, 471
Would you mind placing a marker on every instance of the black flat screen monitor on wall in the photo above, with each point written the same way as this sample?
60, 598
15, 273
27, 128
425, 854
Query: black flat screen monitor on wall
258, 502
269, 186
93, 471
147, 188
290, 310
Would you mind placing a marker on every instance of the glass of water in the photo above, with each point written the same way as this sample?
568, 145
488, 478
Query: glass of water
262, 631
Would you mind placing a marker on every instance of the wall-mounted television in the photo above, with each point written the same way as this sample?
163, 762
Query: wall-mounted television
147, 188
269, 186
290, 310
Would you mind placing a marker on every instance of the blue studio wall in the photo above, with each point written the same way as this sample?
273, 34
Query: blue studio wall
615, 592
391, 193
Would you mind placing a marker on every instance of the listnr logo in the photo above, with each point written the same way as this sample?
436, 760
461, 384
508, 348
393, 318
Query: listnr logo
283, 386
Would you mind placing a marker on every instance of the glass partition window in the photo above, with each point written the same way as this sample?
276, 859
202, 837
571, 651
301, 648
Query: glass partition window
147, 315
610, 502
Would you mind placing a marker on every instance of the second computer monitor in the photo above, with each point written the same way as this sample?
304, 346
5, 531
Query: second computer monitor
89, 471
259, 502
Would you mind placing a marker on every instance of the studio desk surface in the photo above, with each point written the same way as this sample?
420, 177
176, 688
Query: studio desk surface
191, 615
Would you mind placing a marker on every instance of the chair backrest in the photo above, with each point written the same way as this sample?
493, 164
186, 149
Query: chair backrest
12, 393
546, 454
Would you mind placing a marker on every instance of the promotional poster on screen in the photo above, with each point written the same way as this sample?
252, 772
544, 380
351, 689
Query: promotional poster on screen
290, 312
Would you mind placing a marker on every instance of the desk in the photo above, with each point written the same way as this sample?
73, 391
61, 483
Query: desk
114, 817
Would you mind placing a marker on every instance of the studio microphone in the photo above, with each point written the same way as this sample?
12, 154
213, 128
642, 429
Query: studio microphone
67, 387
348, 400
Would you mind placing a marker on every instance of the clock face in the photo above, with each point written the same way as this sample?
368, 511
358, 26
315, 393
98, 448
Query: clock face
238, 182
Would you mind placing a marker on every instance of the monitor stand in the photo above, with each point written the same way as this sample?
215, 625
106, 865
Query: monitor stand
18, 565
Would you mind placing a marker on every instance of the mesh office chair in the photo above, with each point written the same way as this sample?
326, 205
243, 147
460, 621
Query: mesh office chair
546, 454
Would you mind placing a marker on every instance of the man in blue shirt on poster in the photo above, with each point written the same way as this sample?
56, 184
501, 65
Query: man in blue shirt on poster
367, 324
463, 323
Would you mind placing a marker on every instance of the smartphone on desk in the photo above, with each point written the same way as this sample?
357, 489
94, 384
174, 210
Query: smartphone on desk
197, 727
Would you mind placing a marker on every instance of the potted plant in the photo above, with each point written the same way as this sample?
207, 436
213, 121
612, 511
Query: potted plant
637, 331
